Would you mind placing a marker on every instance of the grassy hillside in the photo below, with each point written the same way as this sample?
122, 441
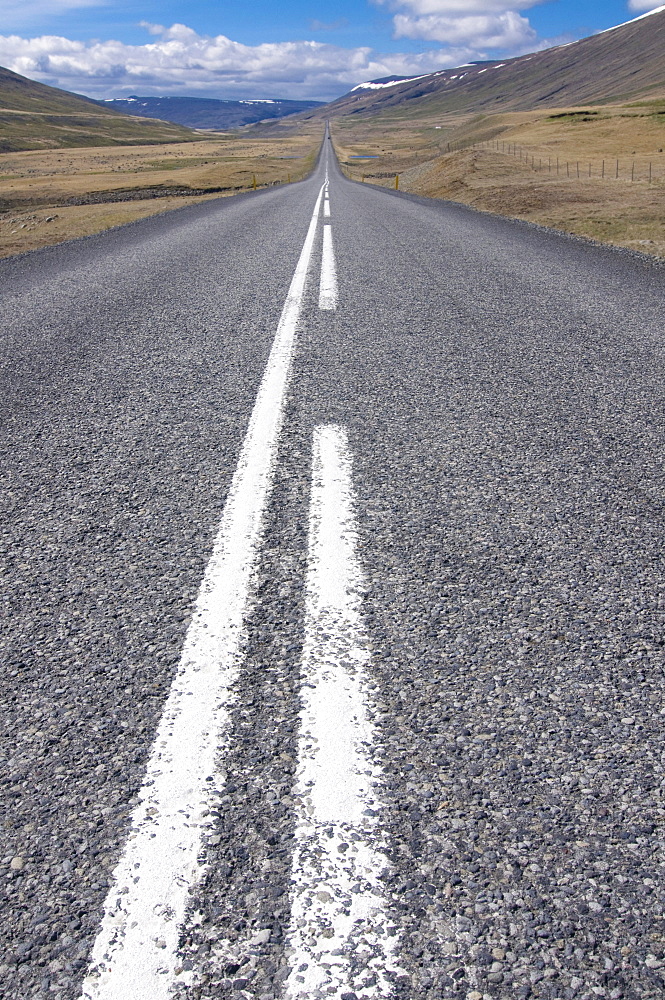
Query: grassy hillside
596, 171
34, 116
624, 63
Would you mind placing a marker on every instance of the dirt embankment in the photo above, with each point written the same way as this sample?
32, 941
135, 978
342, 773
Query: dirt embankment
594, 172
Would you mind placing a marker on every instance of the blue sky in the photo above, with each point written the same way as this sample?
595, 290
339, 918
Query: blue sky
304, 49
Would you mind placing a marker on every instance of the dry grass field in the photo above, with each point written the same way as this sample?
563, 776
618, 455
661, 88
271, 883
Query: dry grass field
556, 168
48, 196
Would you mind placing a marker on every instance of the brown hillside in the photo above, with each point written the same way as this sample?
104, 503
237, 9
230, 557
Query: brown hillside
621, 64
34, 116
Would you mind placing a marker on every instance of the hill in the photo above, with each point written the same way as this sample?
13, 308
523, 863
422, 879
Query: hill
206, 113
35, 116
571, 138
620, 64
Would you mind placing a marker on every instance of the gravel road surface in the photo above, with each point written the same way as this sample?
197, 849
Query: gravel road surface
437, 725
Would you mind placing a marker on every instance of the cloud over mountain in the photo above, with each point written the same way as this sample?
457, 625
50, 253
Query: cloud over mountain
179, 60
478, 24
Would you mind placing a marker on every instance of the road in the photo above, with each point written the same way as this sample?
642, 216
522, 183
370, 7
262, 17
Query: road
332, 607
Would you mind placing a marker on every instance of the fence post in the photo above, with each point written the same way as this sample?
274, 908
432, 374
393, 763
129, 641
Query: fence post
578, 169
649, 171
632, 172
616, 176
603, 170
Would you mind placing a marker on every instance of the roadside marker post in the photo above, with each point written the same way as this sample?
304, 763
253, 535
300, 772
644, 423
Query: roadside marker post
397, 182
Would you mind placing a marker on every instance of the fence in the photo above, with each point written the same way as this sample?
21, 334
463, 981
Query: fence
630, 168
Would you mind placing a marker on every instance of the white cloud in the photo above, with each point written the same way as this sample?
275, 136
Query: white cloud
180, 61
481, 25
507, 31
639, 6
461, 8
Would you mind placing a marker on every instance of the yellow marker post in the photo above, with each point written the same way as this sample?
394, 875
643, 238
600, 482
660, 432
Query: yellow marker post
397, 182
254, 182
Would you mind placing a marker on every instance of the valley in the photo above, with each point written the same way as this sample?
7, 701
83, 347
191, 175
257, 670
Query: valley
48, 196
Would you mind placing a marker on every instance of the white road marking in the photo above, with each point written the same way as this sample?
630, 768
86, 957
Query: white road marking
341, 938
135, 955
326, 208
328, 286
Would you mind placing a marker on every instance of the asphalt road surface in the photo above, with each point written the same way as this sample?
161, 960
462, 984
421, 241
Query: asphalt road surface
332, 607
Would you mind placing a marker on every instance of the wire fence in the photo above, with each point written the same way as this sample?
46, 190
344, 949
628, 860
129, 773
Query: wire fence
643, 168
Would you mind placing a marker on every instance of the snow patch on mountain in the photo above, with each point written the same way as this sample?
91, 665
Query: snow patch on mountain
370, 85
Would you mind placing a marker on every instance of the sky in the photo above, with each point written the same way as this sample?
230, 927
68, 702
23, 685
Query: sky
303, 49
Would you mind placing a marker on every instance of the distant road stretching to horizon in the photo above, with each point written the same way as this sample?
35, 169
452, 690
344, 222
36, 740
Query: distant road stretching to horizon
332, 528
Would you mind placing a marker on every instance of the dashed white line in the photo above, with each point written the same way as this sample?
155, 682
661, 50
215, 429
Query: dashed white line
326, 208
341, 938
135, 955
328, 286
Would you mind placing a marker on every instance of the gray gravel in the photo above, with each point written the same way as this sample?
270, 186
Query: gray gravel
503, 391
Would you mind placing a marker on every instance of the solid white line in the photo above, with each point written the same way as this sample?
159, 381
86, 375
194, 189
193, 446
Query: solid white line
340, 938
135, 955
328, 286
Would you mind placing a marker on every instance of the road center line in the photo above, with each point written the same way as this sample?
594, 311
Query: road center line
135, 955
341, 938
328, 286
326, 208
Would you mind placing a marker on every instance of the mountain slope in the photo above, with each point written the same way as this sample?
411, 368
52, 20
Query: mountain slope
34, 116
622, 63
200, 112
